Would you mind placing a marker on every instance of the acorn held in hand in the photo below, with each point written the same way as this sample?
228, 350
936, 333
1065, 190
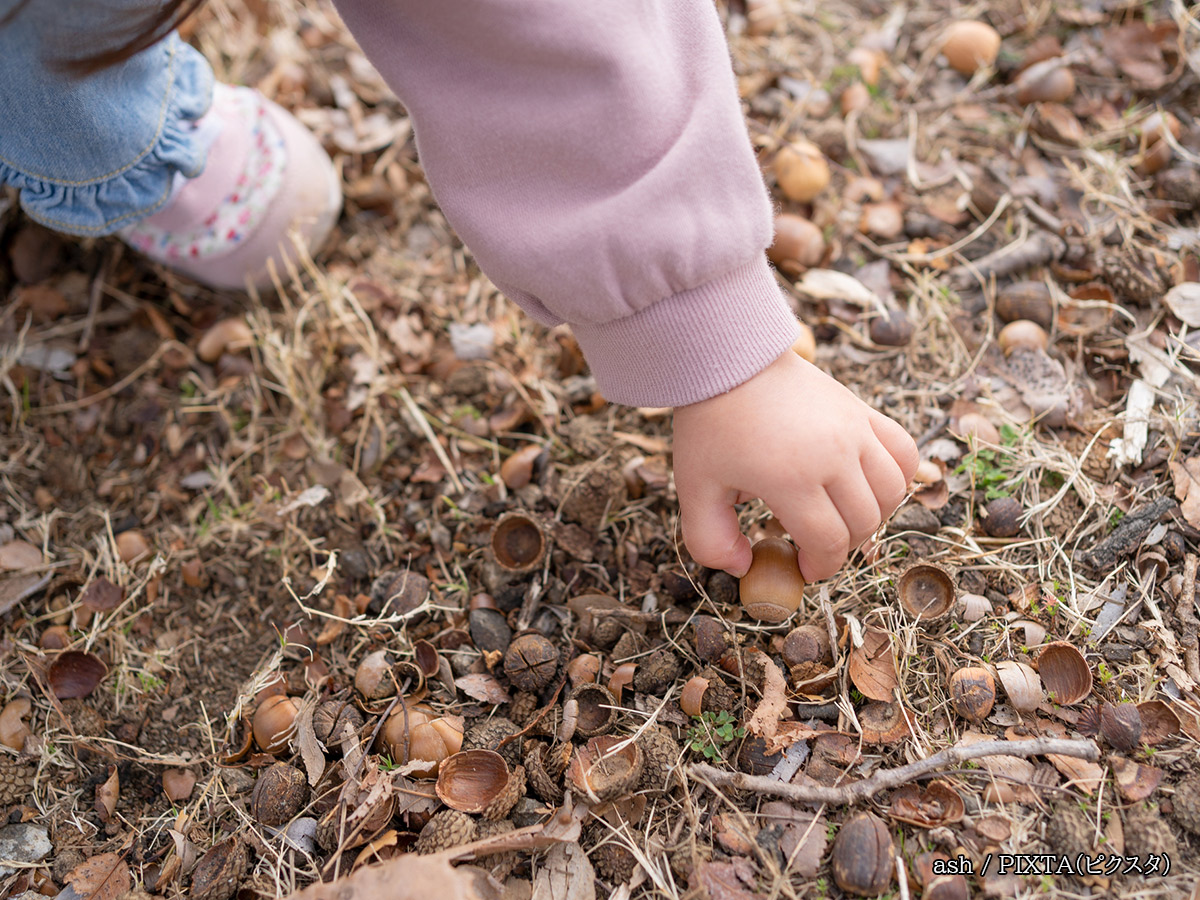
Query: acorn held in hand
773, 587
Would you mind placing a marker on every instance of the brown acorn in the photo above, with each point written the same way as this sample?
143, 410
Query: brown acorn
711, 642
417, 733
479, 781
807, 645
862, 858
892, 329
220, 870
279, 794
530, 662
1030, 300
1002, 517
973, 693
773, 588
275, 723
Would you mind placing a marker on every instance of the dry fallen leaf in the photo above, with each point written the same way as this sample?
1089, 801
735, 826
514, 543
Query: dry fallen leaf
1186, 476
17, 555
103, 877
804, 836
764, 721
108, 794
483, 687
724, 880
872, 668
566, 874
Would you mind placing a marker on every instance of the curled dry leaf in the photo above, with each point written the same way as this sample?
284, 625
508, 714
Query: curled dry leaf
483, 687
937, 804
764, 721
103, 877
872, 667
726, 880
1159, 723
13, 730
343, 608
75, 674
102, 595
108, 795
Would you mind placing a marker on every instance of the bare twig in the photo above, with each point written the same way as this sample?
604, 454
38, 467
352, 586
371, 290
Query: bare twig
890, 778
1186, 610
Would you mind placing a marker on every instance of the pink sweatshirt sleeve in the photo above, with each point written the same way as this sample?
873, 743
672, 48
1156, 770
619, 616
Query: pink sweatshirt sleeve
593, 157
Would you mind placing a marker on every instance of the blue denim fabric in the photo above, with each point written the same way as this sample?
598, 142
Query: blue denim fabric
91, 155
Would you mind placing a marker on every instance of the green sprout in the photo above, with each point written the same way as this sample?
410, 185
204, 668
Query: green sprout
712, 731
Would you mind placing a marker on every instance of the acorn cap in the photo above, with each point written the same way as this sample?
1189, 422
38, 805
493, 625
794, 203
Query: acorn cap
926, 591
488, 736
773, 588
544, 784
597, 713
1185, 805
600, 771
446, 830
660, 754
518, 542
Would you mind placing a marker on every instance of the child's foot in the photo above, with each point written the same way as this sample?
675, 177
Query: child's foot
266, 180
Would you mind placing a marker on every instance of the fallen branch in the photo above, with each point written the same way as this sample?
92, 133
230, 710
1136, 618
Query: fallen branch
891, 778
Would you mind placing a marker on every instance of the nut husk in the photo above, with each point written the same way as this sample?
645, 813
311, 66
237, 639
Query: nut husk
1021, 684
973, 693
279, 794
1121, 725
1065, 673
862, 858
530, 662
479, 781
518, 542
600, 772
220, 870
597, 713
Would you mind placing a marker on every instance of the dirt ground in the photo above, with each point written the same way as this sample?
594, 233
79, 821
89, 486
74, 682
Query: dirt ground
229, 525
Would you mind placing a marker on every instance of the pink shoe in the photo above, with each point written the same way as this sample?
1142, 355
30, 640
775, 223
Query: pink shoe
266, 180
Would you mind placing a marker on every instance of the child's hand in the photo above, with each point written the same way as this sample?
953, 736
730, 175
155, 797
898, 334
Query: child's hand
830, 467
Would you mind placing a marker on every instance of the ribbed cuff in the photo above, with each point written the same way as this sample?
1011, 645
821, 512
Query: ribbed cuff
693, 345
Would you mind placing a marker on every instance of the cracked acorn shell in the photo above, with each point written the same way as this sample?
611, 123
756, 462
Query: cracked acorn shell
446, 830
419, 733
220, 870
279, 794
531, 661
600, 772
1065, 673
973, 692
478, 781
331, 718
773, 588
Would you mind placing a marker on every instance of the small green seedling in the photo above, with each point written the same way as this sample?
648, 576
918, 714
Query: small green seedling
712, 731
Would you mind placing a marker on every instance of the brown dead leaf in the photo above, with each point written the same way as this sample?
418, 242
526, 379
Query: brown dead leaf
306, 740
343, 608
1134, 781
483, 687
103, 877
764, 721
723, 880
1136, 50
108, 795
16, 555
804, 836
102, 595
872, 668
1186, 476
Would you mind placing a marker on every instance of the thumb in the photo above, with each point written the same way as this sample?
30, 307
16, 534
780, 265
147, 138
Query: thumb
712, 534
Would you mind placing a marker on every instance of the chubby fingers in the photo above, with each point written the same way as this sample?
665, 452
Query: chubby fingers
711, 530
819, 530
898, 443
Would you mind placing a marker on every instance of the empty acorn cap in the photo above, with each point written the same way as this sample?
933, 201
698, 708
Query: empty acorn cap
471, 780
518, 542
773, 588
1065, 673
596, 710
691, 700
926, 591
600, 771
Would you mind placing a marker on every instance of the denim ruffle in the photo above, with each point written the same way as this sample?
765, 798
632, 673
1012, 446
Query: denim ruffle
167, 94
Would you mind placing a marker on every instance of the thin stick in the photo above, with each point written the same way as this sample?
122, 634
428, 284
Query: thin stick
1186, 610
890, 778
438, 450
